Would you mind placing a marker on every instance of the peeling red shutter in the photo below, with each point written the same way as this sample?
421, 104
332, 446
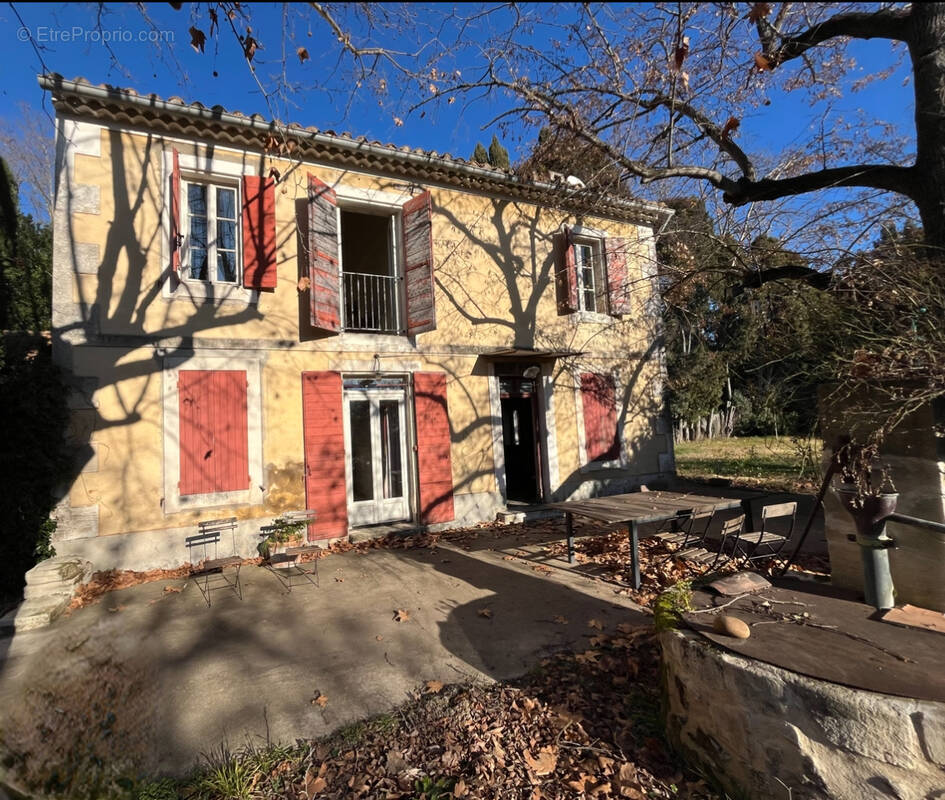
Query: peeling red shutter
433, 447
214, 448
565, 273
417, 222
618, 276
259, 232
175, 211
324, 442
323, 256
599, 398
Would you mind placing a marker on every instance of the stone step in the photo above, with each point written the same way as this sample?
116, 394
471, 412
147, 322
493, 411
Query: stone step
33, 591
39, 613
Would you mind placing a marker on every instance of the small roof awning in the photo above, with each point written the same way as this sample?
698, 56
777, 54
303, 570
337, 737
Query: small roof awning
513, 353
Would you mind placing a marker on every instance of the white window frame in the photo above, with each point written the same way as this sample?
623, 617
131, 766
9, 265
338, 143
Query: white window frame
187, 179
581, 235
253, 495
199, 167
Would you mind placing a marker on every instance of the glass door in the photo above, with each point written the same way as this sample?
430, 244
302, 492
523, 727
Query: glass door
376, 452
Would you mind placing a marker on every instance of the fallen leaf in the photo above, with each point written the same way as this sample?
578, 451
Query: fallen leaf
596, 624
560, 620
544, 763
401, 615
582, 783
314, 785
378, 638
434, 687
485, 612
174, 589
321, 700
460, 789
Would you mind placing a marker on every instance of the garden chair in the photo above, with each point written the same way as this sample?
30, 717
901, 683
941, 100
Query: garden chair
765, 543
688, 530
207, 551
287, 564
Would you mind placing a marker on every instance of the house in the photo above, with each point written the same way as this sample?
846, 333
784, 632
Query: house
256, 318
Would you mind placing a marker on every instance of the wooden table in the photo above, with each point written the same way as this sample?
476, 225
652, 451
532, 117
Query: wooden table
635, 509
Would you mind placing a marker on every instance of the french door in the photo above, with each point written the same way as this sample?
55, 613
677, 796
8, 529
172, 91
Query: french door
375, 452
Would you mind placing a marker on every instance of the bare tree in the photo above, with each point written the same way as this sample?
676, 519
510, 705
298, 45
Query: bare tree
27, 144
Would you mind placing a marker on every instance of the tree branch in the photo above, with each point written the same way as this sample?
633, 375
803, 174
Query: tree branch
873, 176
755, 279
887, 23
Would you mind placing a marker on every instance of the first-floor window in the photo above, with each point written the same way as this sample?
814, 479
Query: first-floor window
591, 275
214, 451
211, 227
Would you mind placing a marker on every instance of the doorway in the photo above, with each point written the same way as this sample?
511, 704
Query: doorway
518, 397
376, 450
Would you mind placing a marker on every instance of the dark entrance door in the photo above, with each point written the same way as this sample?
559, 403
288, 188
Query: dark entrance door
520, 439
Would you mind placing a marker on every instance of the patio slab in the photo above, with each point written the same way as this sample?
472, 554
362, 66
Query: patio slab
250, 670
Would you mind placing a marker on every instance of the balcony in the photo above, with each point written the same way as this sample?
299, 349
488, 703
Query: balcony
371, 303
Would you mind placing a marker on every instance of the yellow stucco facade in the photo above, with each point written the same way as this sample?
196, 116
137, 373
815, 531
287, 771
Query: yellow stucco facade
123, 323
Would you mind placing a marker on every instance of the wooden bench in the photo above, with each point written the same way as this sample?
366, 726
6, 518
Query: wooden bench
288, 564
205, 554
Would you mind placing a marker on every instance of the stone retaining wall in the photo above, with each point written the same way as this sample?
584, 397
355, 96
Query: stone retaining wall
765, 732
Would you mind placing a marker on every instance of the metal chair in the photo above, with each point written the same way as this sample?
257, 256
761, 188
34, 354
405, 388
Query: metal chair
764, 544
688, 530
206, 546
287, 565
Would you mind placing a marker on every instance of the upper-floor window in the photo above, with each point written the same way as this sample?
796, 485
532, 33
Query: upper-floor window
221, 229
370, 260
211, 246
592, 278
371, 283
591, 273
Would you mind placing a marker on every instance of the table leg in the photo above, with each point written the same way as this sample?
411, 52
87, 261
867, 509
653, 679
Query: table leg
634, 554
569, 526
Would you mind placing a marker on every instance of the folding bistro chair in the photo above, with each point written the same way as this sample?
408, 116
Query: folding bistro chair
764, 544
288, 565
205, 554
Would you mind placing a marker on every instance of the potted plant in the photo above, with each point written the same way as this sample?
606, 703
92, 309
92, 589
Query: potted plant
280, 535
868, 494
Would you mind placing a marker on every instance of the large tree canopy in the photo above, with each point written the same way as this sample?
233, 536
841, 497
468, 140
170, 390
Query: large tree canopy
660, 90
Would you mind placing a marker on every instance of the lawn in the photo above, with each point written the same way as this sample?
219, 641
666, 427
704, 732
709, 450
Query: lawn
789, 464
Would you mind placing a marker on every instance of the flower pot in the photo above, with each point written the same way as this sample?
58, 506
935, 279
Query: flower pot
870, 511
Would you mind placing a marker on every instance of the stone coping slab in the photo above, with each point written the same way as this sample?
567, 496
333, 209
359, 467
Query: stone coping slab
841, 639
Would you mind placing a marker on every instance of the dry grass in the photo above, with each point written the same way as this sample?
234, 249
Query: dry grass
785, 464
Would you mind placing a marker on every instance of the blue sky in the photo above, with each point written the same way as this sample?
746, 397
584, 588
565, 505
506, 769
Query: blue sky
70, 44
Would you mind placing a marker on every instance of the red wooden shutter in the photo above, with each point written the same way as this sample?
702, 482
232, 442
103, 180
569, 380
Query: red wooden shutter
599, 398
323, 256
259, 232
417, 222
433, 447
214, 448
324, 442
618, 276
175, 211
565, 273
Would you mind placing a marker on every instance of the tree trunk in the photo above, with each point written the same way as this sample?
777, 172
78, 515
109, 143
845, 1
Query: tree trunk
927, 51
